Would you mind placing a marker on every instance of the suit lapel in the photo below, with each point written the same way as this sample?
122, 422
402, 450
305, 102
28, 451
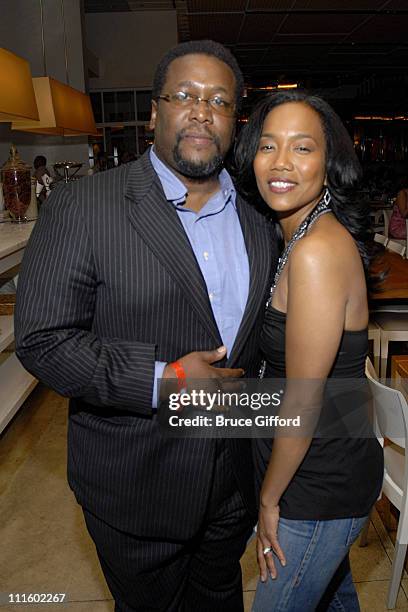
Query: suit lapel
260, 255
157, 222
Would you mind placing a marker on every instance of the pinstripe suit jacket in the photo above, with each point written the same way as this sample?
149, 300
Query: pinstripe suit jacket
109, 284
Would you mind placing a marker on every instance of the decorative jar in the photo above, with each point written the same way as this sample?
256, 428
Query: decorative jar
16, 177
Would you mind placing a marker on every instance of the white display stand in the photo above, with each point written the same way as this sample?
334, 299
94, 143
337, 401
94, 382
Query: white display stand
15, 382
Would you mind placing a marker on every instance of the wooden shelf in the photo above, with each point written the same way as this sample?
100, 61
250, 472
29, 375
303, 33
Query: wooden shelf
6, 331
16, 385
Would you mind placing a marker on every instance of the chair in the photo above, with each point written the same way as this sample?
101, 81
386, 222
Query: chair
381, 239
393, 328
387, 217
391, 422
389, 308
374, 334
398, 246
377, 220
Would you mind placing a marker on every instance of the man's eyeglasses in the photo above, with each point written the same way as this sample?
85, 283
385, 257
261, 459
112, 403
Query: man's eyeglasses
185, 99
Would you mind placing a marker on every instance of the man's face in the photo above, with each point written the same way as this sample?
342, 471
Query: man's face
194, 140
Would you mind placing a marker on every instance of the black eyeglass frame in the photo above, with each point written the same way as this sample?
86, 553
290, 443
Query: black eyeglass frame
230, 111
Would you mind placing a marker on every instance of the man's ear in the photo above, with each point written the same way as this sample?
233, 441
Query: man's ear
153, 115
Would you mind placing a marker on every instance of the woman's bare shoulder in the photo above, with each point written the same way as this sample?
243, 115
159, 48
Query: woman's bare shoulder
326, 236
328, 248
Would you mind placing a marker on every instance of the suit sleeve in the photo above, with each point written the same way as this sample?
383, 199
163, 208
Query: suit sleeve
56, 296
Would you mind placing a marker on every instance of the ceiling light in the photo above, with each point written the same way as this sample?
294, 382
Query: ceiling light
17, 99
63, 110
287, 86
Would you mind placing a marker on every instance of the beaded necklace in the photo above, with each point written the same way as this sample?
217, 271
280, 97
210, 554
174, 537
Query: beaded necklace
320, 209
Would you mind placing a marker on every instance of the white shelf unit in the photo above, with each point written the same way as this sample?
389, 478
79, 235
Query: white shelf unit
15, 382
6, 331
15, 386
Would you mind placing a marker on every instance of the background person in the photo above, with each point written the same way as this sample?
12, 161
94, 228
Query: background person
43, 177
315, 492
397, 228
127, 156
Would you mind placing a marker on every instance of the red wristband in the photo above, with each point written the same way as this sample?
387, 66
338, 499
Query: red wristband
181, 375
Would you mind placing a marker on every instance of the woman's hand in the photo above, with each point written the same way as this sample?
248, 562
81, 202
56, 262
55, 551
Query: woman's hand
267, 538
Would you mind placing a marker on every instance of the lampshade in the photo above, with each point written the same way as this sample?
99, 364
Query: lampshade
63, 110
17, 99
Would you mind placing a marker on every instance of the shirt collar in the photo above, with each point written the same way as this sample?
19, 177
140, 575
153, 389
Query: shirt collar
175, 190
227, 186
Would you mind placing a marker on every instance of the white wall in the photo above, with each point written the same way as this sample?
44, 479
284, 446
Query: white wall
129, 45
54, 148
20, 32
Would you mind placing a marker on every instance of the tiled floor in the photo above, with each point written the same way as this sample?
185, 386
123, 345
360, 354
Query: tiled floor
43, 543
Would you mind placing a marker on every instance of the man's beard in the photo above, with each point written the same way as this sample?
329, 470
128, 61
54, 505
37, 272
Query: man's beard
199, 170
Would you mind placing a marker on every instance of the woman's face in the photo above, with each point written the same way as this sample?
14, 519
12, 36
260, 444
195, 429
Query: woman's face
290, 164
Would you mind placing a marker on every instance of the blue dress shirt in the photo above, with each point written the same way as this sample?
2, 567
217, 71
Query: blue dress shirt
216, 238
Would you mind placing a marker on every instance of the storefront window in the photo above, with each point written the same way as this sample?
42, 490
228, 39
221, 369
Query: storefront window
119, 106
96, 102
122, 118
120, 140
143, 104
145, 138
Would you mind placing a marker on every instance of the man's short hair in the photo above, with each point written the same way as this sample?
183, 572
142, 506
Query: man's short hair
203, 47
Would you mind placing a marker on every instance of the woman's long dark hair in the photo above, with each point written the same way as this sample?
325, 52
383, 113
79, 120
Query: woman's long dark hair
343, 169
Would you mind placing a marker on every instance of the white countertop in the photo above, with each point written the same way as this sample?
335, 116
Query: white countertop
14, 237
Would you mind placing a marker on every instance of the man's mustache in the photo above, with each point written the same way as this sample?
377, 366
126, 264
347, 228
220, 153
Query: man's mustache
203, 132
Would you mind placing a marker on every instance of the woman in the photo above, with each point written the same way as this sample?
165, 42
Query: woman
317, 492
399, 215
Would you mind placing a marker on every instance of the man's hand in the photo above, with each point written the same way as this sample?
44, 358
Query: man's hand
197, 365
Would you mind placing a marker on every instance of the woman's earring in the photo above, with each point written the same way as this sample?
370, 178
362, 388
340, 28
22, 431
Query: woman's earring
326, 196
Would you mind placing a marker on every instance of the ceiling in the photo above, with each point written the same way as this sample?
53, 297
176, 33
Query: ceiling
356, 49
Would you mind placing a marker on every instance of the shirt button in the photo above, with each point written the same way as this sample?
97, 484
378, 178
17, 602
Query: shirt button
211, 296
225, 193
206, 255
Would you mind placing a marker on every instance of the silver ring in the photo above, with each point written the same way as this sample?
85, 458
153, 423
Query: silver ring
267, 550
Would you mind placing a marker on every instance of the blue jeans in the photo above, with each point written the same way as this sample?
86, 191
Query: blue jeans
317, 575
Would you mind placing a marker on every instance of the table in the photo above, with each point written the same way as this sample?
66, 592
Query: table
399, 373
399, 365
395, 286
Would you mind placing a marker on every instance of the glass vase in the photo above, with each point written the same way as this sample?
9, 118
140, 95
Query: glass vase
16, 178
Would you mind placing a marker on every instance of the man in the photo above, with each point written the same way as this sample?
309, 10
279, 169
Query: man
156, 261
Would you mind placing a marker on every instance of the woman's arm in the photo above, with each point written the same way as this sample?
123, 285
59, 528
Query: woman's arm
317, 299
402, 203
